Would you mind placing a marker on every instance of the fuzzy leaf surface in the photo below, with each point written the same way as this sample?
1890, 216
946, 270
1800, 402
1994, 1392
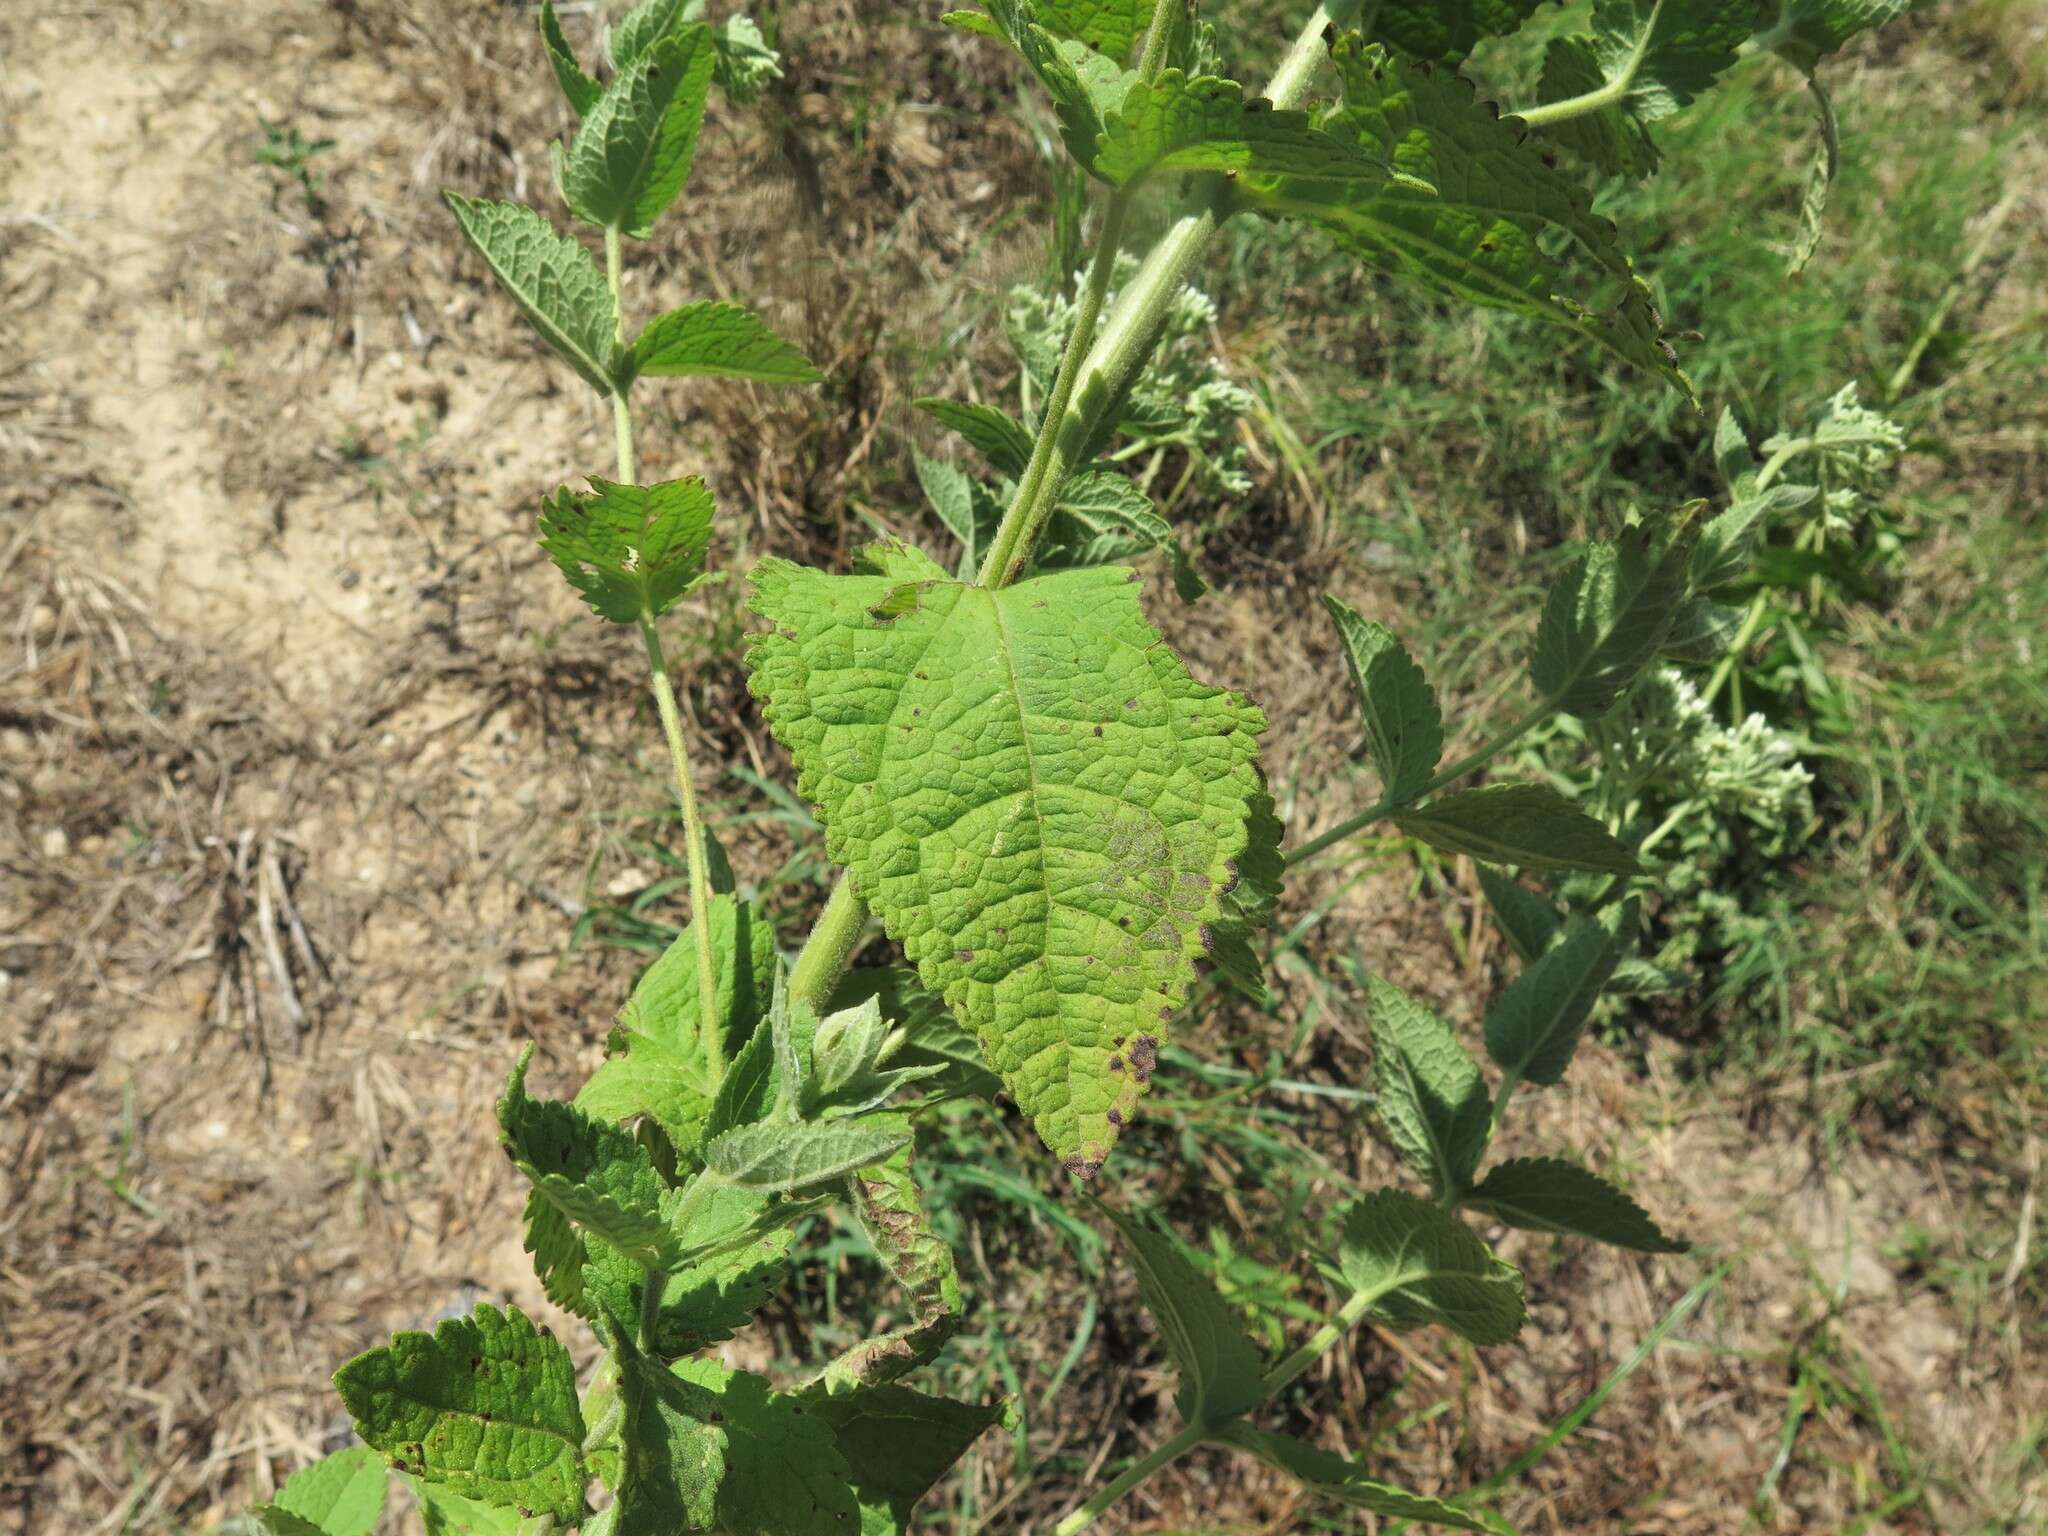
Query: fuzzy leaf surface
632, 154
272, 1520
641, 28
629, 549
1533, 1027
1432, 1100
551, 277
654, 1062
1670, 51
592, 1172
341, 1494
1476, 239
446, 1513
485, 1404
581, 90
718, 340
1042, 805
1606, 616
1527, 918
1345, 1481
1109, 502
1545, 1194
897, 1443
1221, 1369
1527, 824
776, 1156
1205, 124
1446, 30
998, 435
771, 1467
1403, 725
1426, 1266
1611, 139
1807, 31
707, 1301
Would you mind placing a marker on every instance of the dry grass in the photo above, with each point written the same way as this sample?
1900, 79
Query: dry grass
305, 766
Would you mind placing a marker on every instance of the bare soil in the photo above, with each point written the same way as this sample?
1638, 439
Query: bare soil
308, 763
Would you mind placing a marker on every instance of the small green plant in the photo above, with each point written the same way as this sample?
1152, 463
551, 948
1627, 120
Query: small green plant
285, 149
1060, 826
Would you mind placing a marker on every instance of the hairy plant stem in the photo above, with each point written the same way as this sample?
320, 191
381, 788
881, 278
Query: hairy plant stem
1111, 1493
671, 724
1126, 340
1485, 753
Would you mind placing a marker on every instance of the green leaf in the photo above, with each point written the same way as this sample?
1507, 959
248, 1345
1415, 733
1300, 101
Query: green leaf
1446, 30
1727, 545
994, 432
1221, 1370
1431, 1098
745, 61
1478, 238
1702, 631
553, 279
773, 1461
1106, 501
971, 514
1336, 1478
1607, 615
274, 1520
1533, 1027
1820, 182
1669, 51
341, 1494
1542, 1194
1526, 824
1807, 31
777, 1156
1110, 27
1528, 919
632, 154
897, 1444
631, 550
1036, 798
581, 90
1402, 723
449, 1514
893, 1218
1422, 1265
1177, 124
1611, 139
655, 1062
932, 1036
641, 28
725, 341
485, 1404
707, 1301
592, 1172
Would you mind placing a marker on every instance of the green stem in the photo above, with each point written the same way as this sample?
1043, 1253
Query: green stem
1126, 339
1544, 709
693, 838
1059, 441
1162, 1455
830, 946
622, 415
1510, 1080
1602, 95
671, 722
1323, 1340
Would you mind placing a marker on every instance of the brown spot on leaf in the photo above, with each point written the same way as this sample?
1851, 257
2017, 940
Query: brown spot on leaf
1116, 1116
964, 956
1116, 1063
1145, 1053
